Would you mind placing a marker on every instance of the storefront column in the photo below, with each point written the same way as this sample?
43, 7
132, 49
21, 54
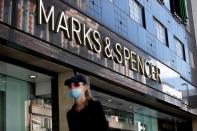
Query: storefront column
65, 102
194, 124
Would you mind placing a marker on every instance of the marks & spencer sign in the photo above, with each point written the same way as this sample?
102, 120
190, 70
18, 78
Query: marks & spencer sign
87, 37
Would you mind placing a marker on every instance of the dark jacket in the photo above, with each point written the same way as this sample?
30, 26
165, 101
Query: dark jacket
91, 118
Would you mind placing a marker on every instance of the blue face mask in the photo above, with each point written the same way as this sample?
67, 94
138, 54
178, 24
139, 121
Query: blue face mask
75, 93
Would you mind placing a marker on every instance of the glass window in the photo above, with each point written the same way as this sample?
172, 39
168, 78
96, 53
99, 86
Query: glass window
191, 58
145, 123
167, 4
25, 99
180, 49
114, 115
111, 1
161, 33
179, 8
136, 12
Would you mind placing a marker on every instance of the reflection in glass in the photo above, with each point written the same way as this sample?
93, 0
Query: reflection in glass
118, 119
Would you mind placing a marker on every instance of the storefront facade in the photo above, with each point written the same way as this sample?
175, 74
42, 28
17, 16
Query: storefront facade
141, 89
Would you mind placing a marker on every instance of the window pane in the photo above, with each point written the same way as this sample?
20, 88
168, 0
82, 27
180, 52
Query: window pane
131, 4
160, 32
179, 49
136, 12
167, 3
25, 105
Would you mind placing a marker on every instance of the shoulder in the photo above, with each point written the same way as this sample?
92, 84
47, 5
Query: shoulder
70, 113
95, 104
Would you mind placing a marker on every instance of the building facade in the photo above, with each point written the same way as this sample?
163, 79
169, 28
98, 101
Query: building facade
139, 56
193, 7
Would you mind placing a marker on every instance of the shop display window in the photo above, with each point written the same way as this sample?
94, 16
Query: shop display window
25, 103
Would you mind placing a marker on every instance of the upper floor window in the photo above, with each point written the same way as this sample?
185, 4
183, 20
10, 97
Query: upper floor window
161, 32
166, 3
136, 12
179, 9
180, 49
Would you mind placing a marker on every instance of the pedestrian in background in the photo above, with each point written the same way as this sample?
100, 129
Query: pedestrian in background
86, 113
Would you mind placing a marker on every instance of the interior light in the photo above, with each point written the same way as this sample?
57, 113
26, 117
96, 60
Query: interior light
109, 100
32, 76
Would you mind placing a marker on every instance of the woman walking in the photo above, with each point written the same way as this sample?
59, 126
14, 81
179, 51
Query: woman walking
86, 114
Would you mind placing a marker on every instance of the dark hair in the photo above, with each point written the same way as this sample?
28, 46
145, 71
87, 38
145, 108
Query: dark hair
74, 79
